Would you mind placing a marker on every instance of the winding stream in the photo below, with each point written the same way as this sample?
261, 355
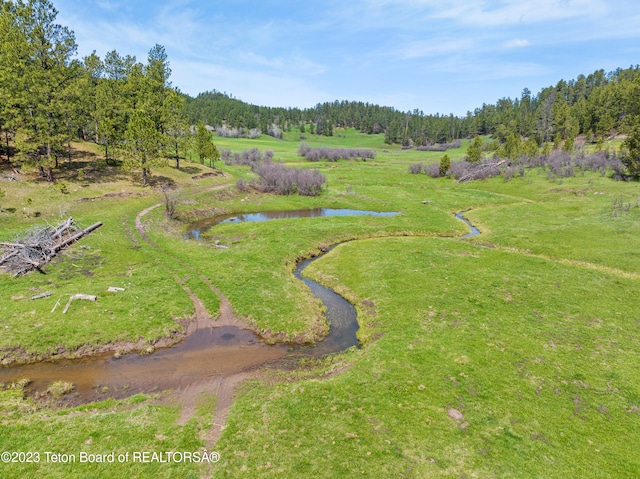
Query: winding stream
473, 231
205, 355
341, 315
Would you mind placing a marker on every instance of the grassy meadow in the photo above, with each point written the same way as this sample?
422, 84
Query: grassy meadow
514, 353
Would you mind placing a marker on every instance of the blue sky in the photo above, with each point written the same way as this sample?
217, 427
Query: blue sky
438, 56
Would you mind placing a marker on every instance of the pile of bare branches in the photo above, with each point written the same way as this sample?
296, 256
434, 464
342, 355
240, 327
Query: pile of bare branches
38, 246
480, 171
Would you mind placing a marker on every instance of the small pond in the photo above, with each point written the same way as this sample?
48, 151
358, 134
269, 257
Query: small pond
197, 228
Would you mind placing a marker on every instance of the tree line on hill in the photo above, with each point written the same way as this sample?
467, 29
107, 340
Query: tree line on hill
596, 105
216, 108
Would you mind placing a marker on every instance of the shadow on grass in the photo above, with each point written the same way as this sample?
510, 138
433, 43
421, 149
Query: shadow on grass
90, 171
190, 170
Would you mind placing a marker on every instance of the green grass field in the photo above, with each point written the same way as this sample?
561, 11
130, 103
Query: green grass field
511, 354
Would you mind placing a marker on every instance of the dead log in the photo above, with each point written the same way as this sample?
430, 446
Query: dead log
60, 229
43, 295
88, 297
6, 258
77, 236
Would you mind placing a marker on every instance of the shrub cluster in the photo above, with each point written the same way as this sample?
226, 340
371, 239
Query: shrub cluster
245, 158
334, 154
417, 168
433, 170
282, 180
561, 164
620, 206
441, 146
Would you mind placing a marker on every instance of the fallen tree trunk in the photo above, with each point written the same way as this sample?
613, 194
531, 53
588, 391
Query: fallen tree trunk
60, 229
77, 236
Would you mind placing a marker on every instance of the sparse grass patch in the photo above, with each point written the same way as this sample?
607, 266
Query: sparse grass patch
59, 389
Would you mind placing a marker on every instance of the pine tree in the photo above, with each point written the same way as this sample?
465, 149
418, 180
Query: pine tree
41, 80
568, 145
204, 146
511, 148
530, 148
474, 151
113, 103
141, 146
175, 123
445, 164
12, 66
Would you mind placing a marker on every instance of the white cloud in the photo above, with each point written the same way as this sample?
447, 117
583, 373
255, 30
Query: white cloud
250, 85
516, 43
293, 64
431, 48
483, 13
106, 5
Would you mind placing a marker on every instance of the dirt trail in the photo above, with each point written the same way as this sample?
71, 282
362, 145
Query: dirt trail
222, 387
226, 316
202, 317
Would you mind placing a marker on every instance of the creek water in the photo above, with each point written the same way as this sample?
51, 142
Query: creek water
195, 229
473, 231
341, 315
205, 354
